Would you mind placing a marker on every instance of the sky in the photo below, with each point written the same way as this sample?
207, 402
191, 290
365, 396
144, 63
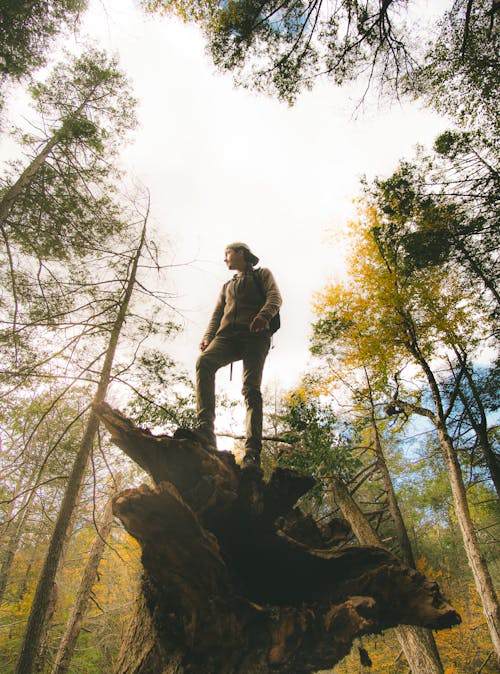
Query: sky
225, 164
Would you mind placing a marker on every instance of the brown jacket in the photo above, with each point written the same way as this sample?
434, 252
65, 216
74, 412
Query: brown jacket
240, 300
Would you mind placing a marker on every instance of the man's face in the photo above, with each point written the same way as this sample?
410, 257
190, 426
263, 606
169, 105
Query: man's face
234, 259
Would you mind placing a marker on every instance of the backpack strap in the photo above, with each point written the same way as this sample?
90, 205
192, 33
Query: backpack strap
258, 283
260, 288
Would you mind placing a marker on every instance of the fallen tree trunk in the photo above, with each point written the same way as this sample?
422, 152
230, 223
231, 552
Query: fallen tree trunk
237, 580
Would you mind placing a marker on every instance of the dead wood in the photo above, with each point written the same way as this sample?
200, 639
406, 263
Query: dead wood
236, 578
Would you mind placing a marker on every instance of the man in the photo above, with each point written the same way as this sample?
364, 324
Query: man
238, 330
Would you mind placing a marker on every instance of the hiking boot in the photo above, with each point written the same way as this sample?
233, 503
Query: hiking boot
196, 436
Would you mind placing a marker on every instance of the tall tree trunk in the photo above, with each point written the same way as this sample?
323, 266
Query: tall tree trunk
12, 193
477, 562
44, 643
11, 539
418, 643
10, 548
75, 620
394, 509
37, 618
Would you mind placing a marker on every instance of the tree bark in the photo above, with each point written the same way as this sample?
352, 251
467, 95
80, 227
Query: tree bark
477, 562
77, 615
237, 580
417, 642
10, 548
142, 650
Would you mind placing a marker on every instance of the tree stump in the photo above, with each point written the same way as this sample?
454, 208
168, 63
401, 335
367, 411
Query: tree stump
236, 579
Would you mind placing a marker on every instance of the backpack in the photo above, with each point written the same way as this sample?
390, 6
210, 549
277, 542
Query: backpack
275, 322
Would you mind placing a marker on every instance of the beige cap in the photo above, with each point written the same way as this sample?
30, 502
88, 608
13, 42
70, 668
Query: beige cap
237, 245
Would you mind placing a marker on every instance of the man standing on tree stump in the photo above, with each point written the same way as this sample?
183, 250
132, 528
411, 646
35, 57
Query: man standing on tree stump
240, 329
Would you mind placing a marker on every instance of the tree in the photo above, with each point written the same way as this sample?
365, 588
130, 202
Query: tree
75, 620
444, 210
26, 30
38, 614
331, 451
162, 395
391, 313
417, 643
428, 230
283, 46
50, 208
61, 207
460, 74
35, 459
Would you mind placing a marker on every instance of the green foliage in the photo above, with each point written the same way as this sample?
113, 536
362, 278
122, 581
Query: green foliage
425, 497
84, 90
413, 219
326, 332
27, 27
452, 143
62, 204
322, 445
460, 75
56, 219
59, 214
164, 396
422, 225
283, 46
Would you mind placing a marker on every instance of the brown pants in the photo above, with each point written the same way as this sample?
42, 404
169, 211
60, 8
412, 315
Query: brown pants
252, 349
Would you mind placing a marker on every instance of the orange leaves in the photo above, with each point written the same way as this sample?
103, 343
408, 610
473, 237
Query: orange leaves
424, 567
194, 10
463, 649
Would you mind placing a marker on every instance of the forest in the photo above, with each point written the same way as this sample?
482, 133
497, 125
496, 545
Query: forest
393, 430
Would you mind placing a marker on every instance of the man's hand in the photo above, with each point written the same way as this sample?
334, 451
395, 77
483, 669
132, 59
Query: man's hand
259, 324
203, 345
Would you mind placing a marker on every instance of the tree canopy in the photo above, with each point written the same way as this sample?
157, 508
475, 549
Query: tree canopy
27, 28
282, 47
